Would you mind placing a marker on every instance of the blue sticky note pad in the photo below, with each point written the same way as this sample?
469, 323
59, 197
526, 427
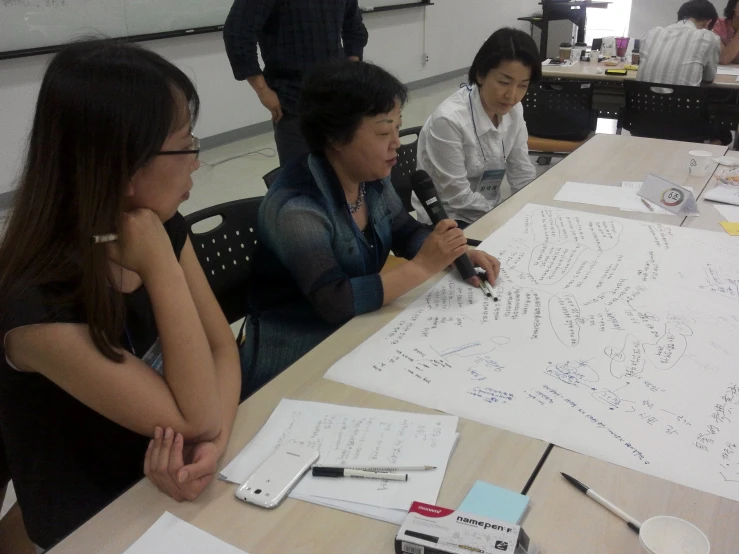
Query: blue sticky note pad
494, 502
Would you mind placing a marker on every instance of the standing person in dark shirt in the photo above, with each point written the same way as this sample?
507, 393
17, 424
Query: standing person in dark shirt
293, 37
115, 359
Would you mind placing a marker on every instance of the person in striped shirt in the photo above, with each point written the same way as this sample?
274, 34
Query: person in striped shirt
685, 53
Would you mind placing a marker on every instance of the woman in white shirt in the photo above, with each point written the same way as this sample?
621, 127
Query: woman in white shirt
478, 135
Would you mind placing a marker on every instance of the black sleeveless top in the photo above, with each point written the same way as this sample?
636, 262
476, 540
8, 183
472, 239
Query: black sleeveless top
67, 461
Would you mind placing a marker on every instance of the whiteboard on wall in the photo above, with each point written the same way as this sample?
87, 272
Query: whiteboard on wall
27, 25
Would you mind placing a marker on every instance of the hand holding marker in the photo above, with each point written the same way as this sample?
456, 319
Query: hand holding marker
485, 285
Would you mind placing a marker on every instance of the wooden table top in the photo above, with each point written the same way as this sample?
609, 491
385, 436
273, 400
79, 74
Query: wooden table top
565, 521
595, 71
483, 452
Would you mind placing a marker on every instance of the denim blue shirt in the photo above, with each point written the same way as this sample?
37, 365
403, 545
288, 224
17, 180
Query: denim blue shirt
305, 222
314, 269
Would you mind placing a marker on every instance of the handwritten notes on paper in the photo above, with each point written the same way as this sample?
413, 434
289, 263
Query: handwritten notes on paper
347, 436
612, 337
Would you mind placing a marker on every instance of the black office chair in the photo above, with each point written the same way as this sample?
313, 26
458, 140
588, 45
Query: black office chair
668, 112
401, 173
559, 117
226, 252
271, 177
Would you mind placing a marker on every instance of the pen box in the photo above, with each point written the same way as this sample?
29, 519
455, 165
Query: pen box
431, 529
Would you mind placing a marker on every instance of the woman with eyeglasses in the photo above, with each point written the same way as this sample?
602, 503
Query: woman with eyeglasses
115, 358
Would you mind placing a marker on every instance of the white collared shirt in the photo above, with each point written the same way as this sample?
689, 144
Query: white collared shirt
679, 54
450, 152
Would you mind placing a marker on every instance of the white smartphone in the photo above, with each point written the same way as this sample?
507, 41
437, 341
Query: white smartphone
277, 475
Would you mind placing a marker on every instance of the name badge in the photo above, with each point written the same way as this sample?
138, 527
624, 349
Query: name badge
490, 183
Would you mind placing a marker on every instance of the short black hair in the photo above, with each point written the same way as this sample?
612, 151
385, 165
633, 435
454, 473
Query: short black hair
730, 8
506, 44
336, 97
700, 10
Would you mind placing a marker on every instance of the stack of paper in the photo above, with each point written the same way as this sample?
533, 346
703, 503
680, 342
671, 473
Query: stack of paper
726, 194
595, 195
357, 437
727, 70
731, 213
171, 534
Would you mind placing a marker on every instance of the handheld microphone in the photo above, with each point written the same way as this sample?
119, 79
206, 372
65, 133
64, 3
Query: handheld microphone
425, 190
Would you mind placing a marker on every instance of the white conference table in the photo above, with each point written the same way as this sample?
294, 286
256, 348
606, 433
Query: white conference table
484, 452
587, 71
561, 518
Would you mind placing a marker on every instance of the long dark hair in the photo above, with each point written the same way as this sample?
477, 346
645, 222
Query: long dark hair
506, 44
104, 110
729, 9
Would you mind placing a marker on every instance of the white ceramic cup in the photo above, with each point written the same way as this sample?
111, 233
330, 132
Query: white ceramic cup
672, 535
699, 162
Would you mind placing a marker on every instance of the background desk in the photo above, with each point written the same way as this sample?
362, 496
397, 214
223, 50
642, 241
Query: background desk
587, 71
608, 92
557, 11
594, 71
483, 452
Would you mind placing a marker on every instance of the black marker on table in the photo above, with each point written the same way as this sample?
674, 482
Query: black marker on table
633, 524
318, 471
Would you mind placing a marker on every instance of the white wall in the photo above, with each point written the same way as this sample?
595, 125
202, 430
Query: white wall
646, 14
450, 32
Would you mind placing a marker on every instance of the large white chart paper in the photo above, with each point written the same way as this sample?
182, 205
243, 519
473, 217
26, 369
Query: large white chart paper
615, 338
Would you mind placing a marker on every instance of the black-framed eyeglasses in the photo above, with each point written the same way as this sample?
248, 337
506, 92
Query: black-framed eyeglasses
194, 150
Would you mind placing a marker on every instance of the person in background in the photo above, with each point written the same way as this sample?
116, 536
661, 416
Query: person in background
684, 53
115, 359
478, 136
293, 37
328, 223
726, 28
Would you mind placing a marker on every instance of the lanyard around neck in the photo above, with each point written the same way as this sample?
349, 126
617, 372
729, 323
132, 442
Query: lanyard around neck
477, 135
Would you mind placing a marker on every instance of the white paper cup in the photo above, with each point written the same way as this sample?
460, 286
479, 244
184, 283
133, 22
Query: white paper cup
700, 160
672, 535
